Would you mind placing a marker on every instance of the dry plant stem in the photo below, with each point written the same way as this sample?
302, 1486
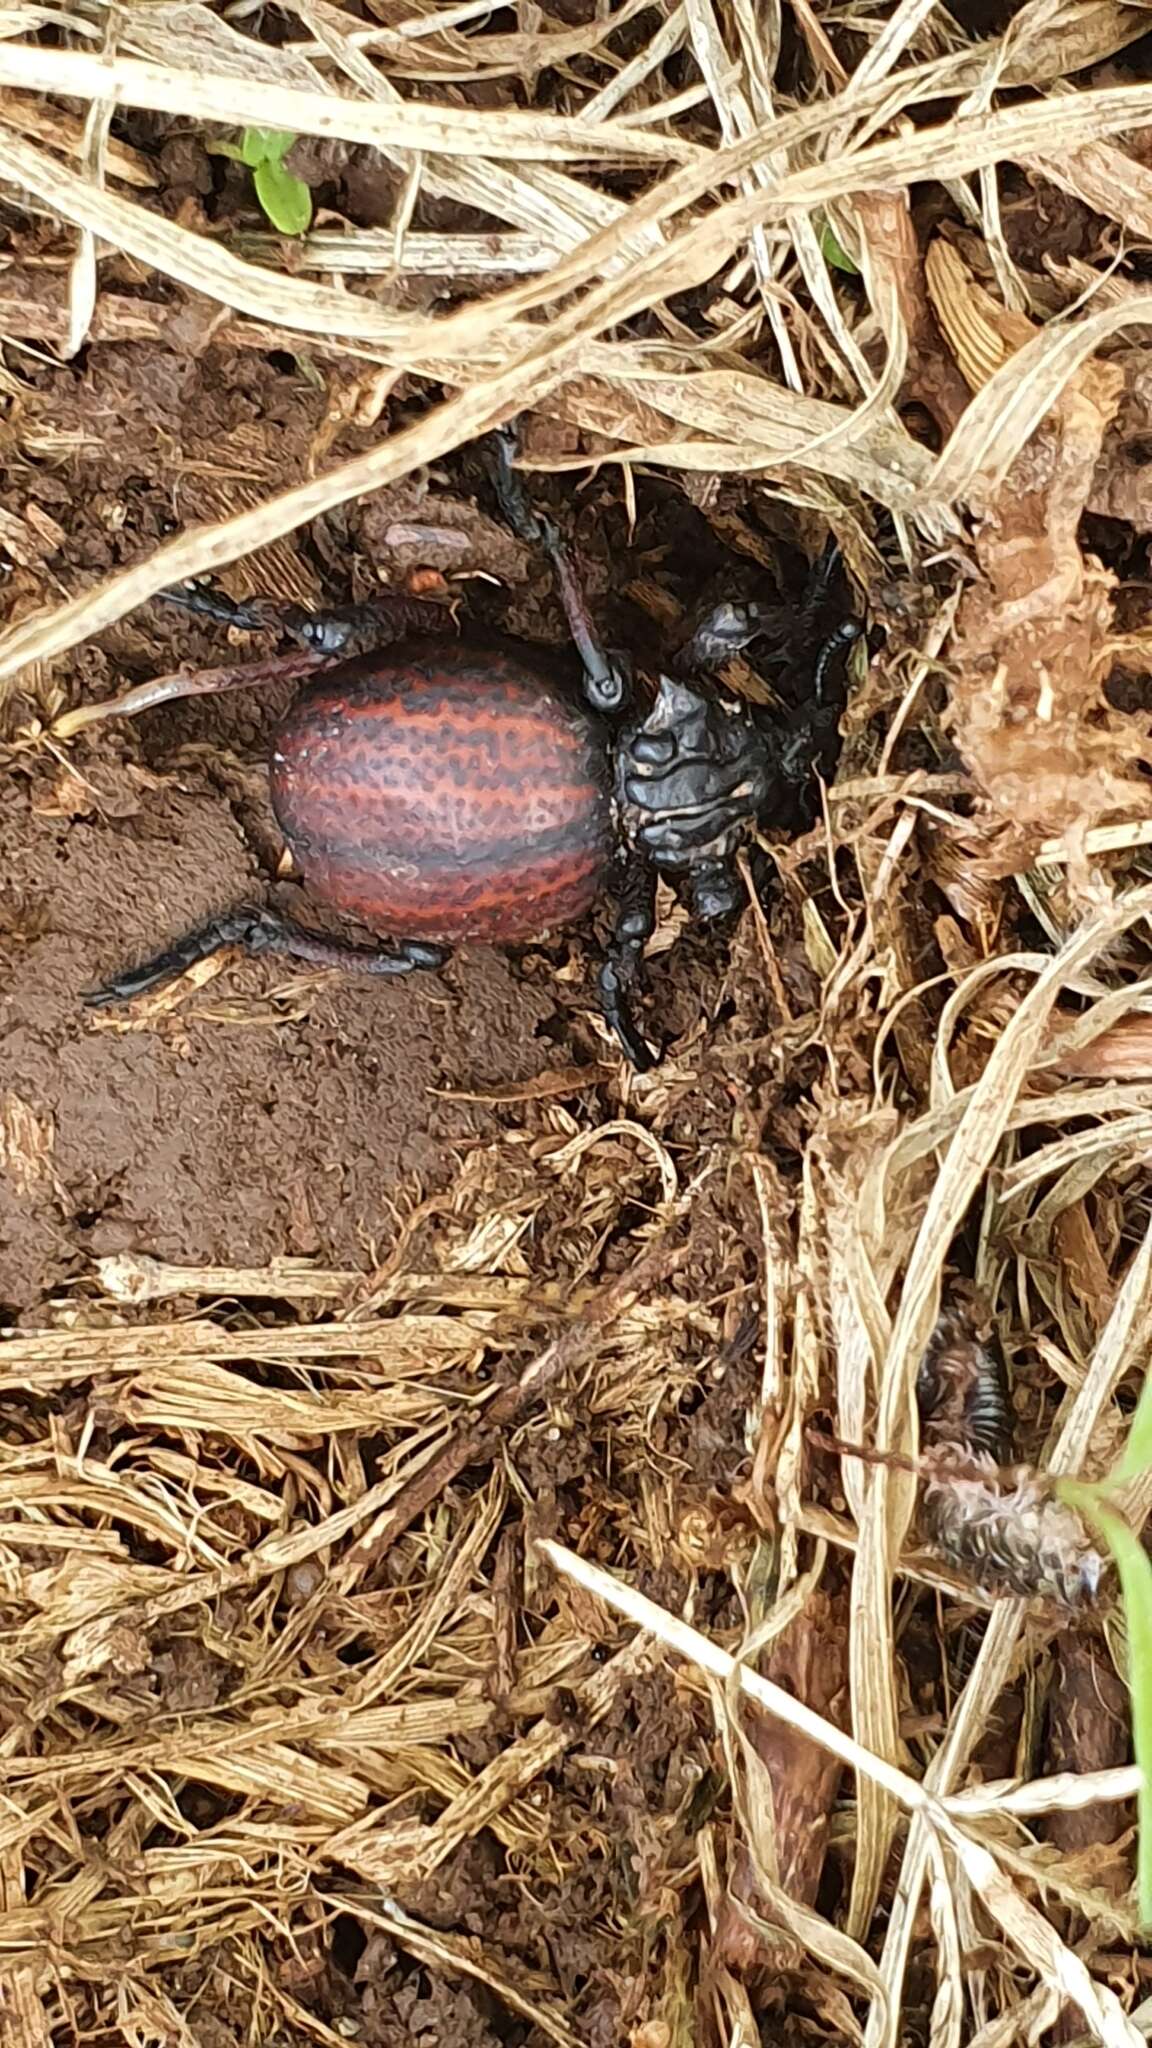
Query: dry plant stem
408, 1346
1066, 1791
999, 1647
136, 1277
694, 255
1020, 1921
889, 1494
472, 1446
395, 124
372, 251
700, 1650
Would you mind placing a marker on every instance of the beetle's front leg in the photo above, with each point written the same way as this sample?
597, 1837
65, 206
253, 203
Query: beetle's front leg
791, 630
619, 971
250, 929
809, 740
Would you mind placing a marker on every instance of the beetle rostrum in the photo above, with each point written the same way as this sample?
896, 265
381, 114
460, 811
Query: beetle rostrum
440, 791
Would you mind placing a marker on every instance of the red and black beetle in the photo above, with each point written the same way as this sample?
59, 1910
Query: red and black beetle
440, 791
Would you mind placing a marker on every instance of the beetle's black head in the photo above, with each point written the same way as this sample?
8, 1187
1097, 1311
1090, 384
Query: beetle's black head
691, 777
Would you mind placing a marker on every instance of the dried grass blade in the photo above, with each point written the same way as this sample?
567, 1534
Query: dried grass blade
699, 1649
535, 198
398, 124
1038, 1943
386, 1855
998, 1650
196, 261
1107, 179
1006, 413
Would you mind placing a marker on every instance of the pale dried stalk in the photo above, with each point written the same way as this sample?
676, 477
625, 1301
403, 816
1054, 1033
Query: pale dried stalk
889, 1493
396, 124
999, 1648
1065, 1792
1020, 1921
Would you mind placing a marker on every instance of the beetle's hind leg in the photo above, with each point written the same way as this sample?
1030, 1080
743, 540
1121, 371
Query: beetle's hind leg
171, 689
337, 632
252, 930
620, 968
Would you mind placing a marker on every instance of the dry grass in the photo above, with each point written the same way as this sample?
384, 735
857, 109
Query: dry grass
259, 1680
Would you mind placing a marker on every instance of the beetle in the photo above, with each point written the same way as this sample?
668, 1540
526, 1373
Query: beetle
440, 792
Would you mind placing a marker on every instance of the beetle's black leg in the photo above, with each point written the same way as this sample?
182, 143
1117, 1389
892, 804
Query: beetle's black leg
839, 641
713, 888
809, 742
321, 636
605, 674
253, 930
734, 623
204, 682
634, 926
340, 630
821, 575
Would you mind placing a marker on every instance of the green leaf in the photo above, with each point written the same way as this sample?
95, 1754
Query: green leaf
228, 149
310, 370
265, 146
1138, 1449
285, 199
1134, 1568
834, 254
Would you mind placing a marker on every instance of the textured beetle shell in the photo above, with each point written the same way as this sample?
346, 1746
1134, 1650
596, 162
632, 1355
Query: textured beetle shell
445, 793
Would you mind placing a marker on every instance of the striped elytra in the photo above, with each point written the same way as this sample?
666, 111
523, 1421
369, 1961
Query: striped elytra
446, 793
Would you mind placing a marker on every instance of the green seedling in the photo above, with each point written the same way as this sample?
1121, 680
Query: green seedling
285, 198
1134, 1572
834, 253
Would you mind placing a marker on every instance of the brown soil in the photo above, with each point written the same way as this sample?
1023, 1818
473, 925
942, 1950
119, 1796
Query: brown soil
273, 1111
270, 1112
